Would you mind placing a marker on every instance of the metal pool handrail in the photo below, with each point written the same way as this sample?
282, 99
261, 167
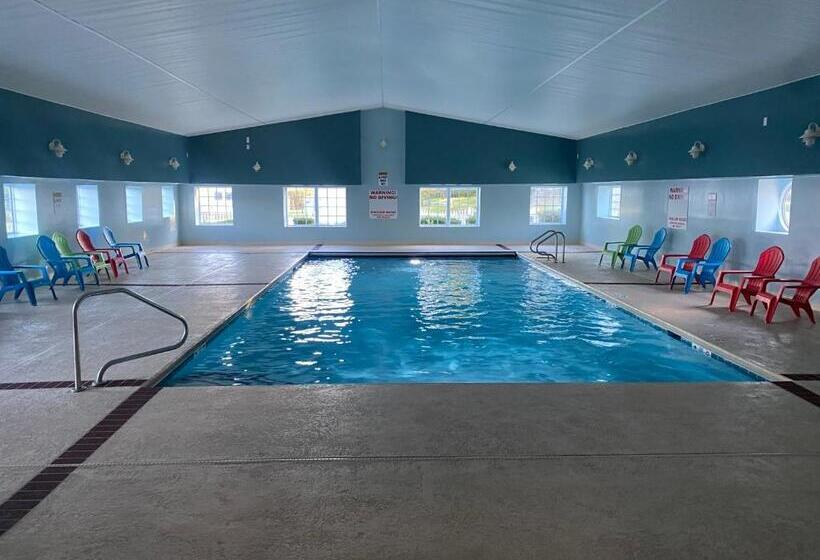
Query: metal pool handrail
78, 384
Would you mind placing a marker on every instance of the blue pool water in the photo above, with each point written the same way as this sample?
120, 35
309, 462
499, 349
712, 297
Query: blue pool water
403, 320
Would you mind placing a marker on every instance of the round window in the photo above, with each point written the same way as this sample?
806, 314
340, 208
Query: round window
784, 212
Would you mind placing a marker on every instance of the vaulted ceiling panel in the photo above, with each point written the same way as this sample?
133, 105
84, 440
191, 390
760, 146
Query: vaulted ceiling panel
566, 68
682, 55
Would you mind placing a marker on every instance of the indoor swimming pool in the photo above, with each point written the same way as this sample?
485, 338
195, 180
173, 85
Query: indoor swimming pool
459, 320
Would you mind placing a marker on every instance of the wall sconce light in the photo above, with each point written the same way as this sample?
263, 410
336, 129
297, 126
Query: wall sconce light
512, 166
126, 157
697, 149
809, 135
257, 167
57, 148
631, 158
589, 163
383, 143
173, 163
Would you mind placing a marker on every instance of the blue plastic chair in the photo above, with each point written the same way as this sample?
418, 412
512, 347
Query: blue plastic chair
137, 252
13, 279
648, 256
705, 270
65, 268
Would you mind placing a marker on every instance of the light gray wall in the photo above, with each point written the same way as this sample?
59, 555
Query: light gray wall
259, 213
154, 231
644, 203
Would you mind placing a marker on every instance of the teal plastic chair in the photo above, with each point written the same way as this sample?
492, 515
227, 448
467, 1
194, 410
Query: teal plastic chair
703, 271
65, 268
13, 279
633, 253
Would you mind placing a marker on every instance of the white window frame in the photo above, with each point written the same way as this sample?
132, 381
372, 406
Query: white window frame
212, 189
611, 191
318, 192
535, 190
449, 189
129, 209
13, 194
91, 223
169, 193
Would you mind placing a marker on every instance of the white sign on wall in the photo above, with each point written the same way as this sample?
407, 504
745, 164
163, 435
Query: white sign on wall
677, 208
384, 204
382, 178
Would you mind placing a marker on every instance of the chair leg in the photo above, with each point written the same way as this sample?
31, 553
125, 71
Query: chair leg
32, 299
18, 292
125, 266
672, 282
54, 295
107, 273
657, 275
601, 259
144, 256
810, 313
770, 309
96, 278
80, 280
687, 285
733, 300
113, 266
714, 293
754, 305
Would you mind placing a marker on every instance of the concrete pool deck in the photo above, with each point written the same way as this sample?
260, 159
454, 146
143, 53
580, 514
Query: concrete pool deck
723, 470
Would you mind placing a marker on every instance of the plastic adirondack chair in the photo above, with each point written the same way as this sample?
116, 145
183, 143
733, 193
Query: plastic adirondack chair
801, 299
750, 285
621, 247
704, 270
137, 252
97, 259
111, 257
13, 279
633, 253
65, 268
698, 250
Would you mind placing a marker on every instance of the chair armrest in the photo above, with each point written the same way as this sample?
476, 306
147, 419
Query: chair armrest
670, 256
19, 275
637, 249
681, 262
724, 273
746, 279
608, 243
77, 258
43, 270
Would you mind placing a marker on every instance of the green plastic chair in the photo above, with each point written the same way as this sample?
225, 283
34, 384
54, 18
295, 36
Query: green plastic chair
633, 236
97, 259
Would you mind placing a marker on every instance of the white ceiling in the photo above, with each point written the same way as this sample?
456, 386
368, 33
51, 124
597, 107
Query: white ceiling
571, 68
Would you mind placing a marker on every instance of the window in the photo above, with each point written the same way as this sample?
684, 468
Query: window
169, 206
312, 206
88, 206
449, 206
774, 205
609, 202
214, 206
133, 204
547, 205
20, 200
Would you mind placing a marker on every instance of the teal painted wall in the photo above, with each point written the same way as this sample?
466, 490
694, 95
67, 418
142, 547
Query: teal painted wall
94, 144
737, 143
319, 151
440, 150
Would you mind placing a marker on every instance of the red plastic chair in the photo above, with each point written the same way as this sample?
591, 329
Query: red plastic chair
803, 291
768, 263
113, 257
699, 247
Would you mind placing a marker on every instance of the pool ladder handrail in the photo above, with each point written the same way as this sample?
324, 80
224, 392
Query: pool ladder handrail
78, 384
558, 236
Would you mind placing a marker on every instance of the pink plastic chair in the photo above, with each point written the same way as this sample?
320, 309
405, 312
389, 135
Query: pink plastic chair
801, 299
768, 263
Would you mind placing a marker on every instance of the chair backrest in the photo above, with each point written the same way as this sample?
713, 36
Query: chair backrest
720, 250
84, 240
812, 278
699, 246
109, 236
48, 250
769, 262
5, 264
63, 246
633, 235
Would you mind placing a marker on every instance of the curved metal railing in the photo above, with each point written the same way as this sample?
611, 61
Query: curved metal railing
78, 383
558, 237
